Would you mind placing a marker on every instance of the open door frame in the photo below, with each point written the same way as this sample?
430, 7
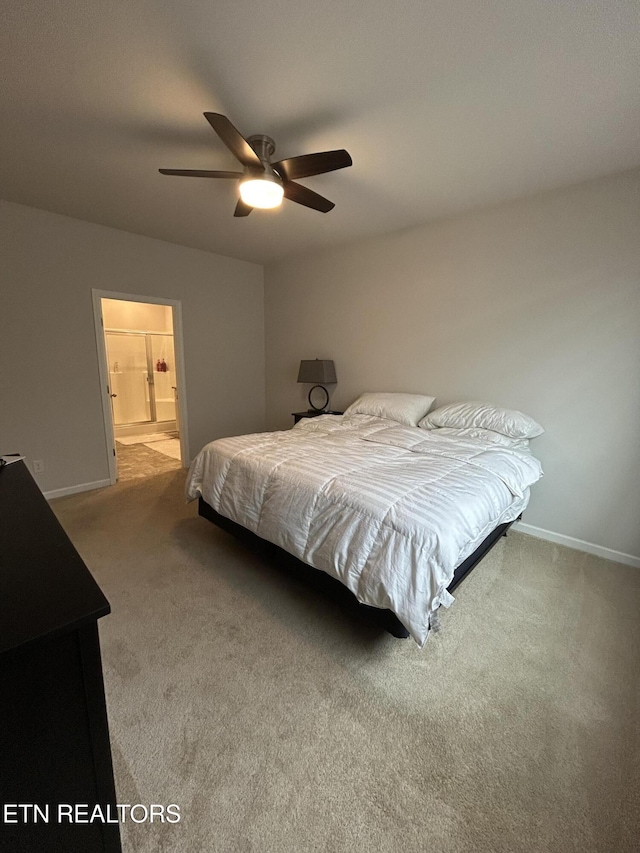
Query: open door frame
178, 343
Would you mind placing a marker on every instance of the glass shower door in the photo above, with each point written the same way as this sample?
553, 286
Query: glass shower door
164, 366
129, 378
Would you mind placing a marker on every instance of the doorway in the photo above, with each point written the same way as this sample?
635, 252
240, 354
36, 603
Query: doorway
139, 347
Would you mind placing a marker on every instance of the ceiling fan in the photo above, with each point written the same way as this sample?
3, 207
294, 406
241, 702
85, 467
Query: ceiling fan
263, 183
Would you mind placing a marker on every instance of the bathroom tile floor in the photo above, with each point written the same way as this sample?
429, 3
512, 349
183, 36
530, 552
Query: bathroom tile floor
136, 460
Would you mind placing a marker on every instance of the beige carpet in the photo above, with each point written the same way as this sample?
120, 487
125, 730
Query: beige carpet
282, 724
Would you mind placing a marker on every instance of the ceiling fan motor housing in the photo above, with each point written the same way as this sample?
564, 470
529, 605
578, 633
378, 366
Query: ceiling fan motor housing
264, 146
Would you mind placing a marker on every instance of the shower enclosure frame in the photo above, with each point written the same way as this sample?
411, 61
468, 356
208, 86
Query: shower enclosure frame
150, 374
103, 370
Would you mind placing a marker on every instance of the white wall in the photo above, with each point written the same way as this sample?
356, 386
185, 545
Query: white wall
139, 316
533, 305
50, 406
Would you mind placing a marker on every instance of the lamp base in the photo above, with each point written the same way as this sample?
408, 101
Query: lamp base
321, 408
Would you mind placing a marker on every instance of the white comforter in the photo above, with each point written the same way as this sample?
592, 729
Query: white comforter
389, 510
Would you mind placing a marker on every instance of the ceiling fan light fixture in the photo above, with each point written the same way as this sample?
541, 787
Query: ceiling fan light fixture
263, 183
263, 192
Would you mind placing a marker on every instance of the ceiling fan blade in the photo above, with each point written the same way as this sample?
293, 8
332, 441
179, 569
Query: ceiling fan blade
234, 140
242, 209
200, 173
305, 196
313, 164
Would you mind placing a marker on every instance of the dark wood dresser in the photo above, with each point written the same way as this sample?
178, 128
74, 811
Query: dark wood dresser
54, 737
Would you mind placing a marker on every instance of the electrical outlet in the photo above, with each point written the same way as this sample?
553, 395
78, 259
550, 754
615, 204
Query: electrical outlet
38, 466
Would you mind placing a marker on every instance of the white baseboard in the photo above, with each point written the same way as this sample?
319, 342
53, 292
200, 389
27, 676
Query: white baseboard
578, 544
73, 490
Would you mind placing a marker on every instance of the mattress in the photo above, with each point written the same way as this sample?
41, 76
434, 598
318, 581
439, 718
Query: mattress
388, 510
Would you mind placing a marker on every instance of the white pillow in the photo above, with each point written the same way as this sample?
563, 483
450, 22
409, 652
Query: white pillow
487, 435
404, 408
483, 416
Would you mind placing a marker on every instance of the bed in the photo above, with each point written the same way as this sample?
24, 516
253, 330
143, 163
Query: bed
395, 511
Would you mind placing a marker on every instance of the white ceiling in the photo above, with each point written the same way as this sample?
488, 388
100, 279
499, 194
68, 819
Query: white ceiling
444, 105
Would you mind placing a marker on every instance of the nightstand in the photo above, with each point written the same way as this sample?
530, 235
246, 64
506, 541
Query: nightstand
311, 413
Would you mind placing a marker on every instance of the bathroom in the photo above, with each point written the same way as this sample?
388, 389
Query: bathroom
139, 340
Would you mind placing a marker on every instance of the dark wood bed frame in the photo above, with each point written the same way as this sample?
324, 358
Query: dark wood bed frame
329, 585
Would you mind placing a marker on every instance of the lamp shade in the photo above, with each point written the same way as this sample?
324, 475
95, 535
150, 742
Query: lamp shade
318, 371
